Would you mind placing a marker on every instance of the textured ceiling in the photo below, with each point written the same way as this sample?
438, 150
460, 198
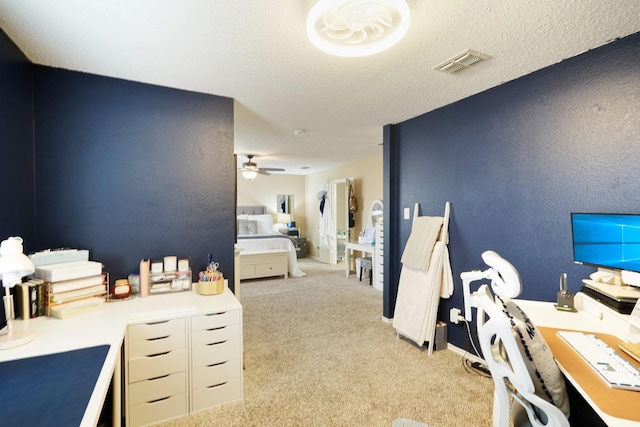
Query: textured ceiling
257, 52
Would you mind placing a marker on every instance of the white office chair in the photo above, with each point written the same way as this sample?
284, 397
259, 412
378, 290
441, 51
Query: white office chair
516, 375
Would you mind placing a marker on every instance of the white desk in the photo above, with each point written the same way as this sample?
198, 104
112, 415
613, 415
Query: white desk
591, 317
353, 246
108, 326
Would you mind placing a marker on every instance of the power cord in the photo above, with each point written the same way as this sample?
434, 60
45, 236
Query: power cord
472, 366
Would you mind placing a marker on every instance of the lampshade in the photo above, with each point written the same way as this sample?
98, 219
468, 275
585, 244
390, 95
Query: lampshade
284, 218
357, 27
249, 174
14, 265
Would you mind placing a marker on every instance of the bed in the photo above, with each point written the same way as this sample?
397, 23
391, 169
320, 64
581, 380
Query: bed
265, 252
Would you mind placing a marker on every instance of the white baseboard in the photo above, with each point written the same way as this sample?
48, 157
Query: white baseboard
465, 353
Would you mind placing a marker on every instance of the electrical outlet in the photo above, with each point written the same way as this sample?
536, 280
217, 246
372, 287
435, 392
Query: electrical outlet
454, 315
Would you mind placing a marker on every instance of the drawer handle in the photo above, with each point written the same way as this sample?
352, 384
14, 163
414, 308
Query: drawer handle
216, 364
158, 378
217, 343
158, 338
216, 329
159, 400
158, 354
216, 314
157, 323
217, 385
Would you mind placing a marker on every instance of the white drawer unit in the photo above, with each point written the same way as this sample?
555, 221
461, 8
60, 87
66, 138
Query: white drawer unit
156, 375
156, 388
157, 365
214, 320
157, 337
183, 353
258, 264
216, 359
378, 258
158, 410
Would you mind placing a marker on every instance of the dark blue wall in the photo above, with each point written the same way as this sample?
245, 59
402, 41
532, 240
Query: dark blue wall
132, 171
16, 145
514, 162
126, 170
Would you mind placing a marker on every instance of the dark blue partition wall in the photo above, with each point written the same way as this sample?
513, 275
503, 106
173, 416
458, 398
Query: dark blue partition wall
16, 144
515, 161
132, 171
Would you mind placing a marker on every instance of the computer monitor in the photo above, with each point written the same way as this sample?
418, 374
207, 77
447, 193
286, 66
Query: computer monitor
611, 241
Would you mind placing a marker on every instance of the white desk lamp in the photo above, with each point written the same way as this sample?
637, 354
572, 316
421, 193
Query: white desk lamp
14, 265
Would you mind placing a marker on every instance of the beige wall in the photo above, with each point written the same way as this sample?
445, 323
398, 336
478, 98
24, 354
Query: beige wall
367, 175
263, 189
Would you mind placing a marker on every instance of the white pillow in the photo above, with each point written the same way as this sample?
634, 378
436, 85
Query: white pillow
247, 226
542, 367
264, 223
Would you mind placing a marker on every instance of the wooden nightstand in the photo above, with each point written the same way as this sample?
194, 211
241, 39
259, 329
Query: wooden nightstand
301, 246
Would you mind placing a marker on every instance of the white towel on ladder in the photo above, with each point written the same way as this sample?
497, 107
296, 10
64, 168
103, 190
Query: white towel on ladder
419, 292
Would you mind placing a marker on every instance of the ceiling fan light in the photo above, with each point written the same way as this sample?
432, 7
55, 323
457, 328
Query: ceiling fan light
354, 28
249, 174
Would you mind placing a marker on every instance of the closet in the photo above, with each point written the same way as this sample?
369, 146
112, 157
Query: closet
334, 231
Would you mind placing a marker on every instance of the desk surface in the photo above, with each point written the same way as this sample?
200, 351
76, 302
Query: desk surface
615, 407
107, 326
354, 246
614, 402
37, 391
360, 247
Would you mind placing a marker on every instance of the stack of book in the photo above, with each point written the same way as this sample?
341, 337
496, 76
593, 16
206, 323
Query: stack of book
28, 299
72, 288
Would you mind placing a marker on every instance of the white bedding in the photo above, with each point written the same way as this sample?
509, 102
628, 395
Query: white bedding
263, 242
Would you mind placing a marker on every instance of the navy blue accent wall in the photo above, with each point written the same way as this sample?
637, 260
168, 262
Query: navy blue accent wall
391, 193
16, 145
132, 171
515, 161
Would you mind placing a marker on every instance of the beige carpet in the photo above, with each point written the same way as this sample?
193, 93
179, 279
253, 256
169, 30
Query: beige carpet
318, 354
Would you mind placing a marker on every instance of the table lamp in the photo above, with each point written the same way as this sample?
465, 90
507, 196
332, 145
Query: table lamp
284, 219
14, 265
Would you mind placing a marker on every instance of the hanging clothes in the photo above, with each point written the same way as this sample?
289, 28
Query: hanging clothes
326, 237
322, 196
324, 225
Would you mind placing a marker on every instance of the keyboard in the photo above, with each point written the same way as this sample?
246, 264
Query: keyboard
614, 369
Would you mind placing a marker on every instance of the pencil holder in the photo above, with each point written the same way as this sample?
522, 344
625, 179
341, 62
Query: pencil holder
211, 287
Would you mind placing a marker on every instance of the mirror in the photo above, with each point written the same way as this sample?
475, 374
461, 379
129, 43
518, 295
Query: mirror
375, 212
284, 204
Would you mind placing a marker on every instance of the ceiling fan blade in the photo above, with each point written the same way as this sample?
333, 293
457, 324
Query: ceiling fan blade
253, 167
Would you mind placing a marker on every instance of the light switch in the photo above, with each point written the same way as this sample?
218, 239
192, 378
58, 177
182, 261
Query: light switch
407, 213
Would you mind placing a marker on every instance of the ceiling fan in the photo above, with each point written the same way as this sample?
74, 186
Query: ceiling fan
250, 170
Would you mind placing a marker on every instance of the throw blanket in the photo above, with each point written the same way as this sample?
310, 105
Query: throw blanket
265, 236
423, 237
425, 277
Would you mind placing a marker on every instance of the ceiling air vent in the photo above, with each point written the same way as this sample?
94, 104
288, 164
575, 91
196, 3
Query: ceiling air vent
461, 61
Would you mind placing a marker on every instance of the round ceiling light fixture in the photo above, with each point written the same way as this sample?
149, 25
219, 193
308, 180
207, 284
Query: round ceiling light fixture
355, 28
249, 174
